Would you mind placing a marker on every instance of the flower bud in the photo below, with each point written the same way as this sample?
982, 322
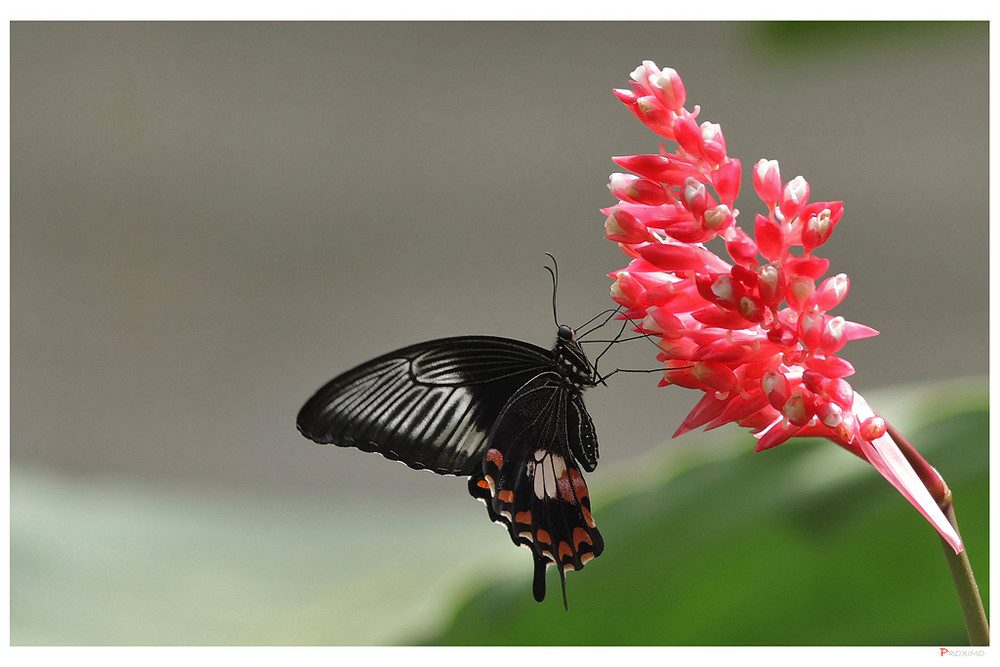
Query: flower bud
661, 168
840, 391
741, 247
873, 428
830, 414
811, 324
776, 388
798, 291
726, 180
719, 218
636, 190
813, 381
626, 290
794, 196
641, 73
623, 227
770, 239
650, 109
688, 134
832, 291
714, 375
811, 266
819, 220
677, 348
666, 84
782, 334
771, 284
833, 336
720, 289
751, 308
673, 256
799, 408
831, 366
659, 320
713, 143
695, 197
767, 181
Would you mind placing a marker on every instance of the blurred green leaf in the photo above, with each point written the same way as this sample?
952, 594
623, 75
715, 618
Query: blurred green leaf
707, 544
797, 41
801, 545
113, 561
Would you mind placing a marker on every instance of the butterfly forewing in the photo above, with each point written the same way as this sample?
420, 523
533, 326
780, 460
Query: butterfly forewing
430, 405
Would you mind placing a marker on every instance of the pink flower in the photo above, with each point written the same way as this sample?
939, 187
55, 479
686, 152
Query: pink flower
753, 331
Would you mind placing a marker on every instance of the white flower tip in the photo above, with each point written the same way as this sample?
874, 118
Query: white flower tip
649, 325
710, 131
611, 226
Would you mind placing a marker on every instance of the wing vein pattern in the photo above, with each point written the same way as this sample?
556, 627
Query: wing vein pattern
429, 405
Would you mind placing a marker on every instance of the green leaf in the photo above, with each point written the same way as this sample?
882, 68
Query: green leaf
801, 545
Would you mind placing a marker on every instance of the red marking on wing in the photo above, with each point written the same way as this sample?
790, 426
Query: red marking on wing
565, 488
495, 457
580, 536
579, 486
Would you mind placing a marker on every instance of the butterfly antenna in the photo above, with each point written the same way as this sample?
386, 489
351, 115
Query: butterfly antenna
555, 284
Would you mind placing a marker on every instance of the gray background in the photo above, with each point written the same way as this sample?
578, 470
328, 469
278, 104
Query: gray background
208, 221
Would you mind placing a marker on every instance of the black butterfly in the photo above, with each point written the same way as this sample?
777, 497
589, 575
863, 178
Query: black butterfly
508, 414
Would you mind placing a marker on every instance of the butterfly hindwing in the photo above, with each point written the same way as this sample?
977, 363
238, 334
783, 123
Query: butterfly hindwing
429, 405
530, 481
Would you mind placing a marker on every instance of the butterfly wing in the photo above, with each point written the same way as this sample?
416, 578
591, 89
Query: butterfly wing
429, 405
530, 481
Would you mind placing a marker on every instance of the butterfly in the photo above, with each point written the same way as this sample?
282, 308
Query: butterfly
507, 414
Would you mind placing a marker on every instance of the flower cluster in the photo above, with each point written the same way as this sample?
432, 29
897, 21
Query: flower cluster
753, 332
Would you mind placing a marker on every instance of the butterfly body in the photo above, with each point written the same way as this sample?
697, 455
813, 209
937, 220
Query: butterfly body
507, 414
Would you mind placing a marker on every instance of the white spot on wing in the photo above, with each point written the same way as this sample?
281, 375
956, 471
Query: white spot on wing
547, 469
539, 482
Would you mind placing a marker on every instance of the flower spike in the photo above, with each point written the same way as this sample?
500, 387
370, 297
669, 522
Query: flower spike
756, 336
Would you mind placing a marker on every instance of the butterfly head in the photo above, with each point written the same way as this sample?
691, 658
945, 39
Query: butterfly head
573, 362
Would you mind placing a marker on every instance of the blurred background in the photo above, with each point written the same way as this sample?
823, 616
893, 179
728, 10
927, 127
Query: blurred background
210, 220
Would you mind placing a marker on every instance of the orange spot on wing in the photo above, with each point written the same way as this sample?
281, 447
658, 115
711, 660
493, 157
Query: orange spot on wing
565, 550
581, 536
523, 517
483, 484
495, 457
543, 536
588, 517
506, 496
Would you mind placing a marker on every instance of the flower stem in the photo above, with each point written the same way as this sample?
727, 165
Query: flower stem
976, 623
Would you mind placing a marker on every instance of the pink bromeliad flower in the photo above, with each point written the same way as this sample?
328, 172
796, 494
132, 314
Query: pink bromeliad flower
753, 330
